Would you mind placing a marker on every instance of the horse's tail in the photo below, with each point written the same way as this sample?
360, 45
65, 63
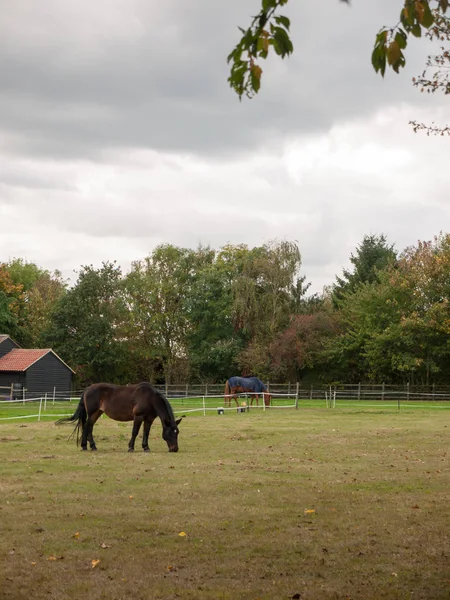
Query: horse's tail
79, 417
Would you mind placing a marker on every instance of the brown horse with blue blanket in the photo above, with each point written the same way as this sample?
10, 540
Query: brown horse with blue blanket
139, 403
240, 385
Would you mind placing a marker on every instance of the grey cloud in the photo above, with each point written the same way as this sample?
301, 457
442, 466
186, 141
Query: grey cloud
164, 87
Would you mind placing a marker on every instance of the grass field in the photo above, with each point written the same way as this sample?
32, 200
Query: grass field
311, 504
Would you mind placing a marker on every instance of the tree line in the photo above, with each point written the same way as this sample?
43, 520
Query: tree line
205, 315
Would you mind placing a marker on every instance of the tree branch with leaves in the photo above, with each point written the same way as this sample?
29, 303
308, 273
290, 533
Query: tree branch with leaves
269, 29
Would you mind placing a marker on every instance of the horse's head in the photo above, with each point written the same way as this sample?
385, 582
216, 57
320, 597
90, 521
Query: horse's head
170, 434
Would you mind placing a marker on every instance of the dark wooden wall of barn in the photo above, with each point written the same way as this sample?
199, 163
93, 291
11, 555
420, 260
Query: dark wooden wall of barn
48, 373
7, 378
6, 346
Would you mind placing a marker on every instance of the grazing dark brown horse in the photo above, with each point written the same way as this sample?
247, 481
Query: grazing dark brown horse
139, 403
239, 385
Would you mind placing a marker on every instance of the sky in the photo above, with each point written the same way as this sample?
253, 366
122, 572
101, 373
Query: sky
119, 132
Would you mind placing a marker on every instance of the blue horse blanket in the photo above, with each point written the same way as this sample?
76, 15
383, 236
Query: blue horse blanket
248, 384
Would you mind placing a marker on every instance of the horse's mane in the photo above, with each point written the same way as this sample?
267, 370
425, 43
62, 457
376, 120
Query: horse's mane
161, 397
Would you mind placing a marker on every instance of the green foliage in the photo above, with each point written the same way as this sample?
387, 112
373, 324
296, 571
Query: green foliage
372, 256
11, 299
204, 315
397, 328
35, 292
87, 325
157, 289
268, 29
213, 341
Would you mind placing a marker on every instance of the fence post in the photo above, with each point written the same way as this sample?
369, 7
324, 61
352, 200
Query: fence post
206, 389
359, 391
311, 393
45, 402
23, 395
40, 409
407, 392
296, 394
11, 396
54, 394
204, 407
167, 389
382, 391
187, 390
433, 392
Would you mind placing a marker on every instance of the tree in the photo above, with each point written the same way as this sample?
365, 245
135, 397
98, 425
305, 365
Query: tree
40, 292
157, 288
271, 30
213, 341
372, 255
11, 297
266, 294
299, 350
398, 327
87, 326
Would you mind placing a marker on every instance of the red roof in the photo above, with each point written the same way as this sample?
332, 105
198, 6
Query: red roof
19, 360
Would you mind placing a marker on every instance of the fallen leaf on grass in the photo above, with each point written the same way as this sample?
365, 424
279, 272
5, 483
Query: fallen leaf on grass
95, 562
76, 535
33, 562
182, 534
131, 497
103, 545
309, 511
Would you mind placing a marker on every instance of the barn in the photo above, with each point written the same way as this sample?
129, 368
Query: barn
35, 370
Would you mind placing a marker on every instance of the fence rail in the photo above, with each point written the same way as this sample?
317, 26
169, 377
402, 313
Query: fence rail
358, 391
202, 400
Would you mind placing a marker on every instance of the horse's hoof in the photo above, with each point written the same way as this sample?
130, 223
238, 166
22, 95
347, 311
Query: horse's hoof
83, 449
130, 449
146, 449
94, 449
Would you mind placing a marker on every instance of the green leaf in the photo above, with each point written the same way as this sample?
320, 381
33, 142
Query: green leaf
379, 59
416, 30
268, 4
401, 38
263, 43
407, 15
284, 21
281, 41
427, 19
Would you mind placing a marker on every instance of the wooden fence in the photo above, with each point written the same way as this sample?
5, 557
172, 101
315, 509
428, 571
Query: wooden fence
358, 391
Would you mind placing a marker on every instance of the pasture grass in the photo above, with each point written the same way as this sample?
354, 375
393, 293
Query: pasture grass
310, 504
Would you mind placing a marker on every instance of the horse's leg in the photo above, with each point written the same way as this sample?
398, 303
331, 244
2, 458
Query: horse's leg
146, 435
137, 422
87, 430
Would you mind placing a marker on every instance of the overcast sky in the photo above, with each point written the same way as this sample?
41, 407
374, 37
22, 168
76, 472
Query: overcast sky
119, 132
